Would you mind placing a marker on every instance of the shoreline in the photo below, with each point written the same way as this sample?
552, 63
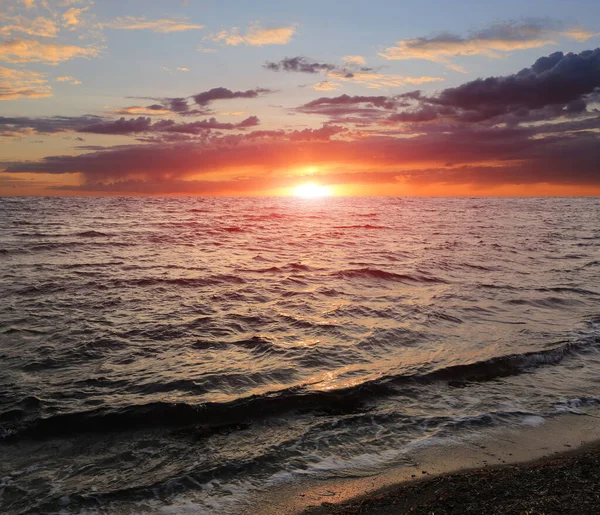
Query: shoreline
565, 483
452, 461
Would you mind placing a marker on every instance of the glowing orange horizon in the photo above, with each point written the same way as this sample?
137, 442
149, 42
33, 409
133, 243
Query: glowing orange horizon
311, 190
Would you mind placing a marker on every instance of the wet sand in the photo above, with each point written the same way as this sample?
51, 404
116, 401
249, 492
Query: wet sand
569, 483
549, 467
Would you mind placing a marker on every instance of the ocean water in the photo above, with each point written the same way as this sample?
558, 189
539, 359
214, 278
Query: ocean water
173, 355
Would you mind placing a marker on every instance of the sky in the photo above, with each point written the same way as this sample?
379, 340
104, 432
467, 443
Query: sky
238, 97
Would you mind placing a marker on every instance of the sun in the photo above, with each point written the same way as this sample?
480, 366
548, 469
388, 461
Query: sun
311, 190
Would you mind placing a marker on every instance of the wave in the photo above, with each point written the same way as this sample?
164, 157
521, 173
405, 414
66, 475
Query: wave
182, 281
72, 266
92, 234
374, 273
210, 415
290, 267
366, 226
230, 229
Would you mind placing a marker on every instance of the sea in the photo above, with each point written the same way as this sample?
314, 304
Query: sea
177, 355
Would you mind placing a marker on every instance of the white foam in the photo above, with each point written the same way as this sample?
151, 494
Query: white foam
533, 420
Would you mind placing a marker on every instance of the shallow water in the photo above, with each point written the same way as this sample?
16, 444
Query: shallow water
163, 353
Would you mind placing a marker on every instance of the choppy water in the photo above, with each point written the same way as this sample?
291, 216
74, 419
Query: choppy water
158, 354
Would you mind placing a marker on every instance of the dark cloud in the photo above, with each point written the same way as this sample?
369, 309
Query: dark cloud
175, 105
535, 126
206, 97
299, 64
559, 85
464, 155
181, 105
370, 101
363, 108
45, 125
122, 126
563, 80
494, 42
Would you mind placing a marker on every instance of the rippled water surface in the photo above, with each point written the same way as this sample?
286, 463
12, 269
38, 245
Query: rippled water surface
163, 353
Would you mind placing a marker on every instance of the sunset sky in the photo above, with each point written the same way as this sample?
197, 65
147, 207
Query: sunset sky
234, 97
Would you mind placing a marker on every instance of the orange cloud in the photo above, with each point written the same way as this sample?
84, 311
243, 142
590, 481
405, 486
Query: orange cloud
71, 17
34, 51
327, 86
494, 42
256, 35
23, 84
69, 79
356, 60
140, 110
40, 26
163, 26
375, 80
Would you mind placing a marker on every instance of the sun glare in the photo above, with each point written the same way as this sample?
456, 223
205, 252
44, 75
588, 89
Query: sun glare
311, 190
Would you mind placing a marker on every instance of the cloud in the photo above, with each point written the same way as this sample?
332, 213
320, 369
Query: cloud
352, 71
28, 3
182, 69
123, 126
374, 80
40, 26
34, 51
256, 35
326, 86
69, 79
72, 17
299, 64
468, 156
164, 25
562, 81
151, 110
181, 106
559, 85
206, 97
536, 126
494, 42
23, 84
345, 100
356, 60
45, 125
367, 108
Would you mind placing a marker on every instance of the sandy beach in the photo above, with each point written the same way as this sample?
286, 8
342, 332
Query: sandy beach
569, 483
553, 467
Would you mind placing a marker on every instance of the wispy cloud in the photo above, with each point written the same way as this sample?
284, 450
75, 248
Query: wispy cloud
123, 126
326, 86
153, 110
72, 17
352, 71
69, 79
34, 51
39, 26
255, 35
164, 25
181, 105
494, 42
206, 97
23, 84
354, 59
